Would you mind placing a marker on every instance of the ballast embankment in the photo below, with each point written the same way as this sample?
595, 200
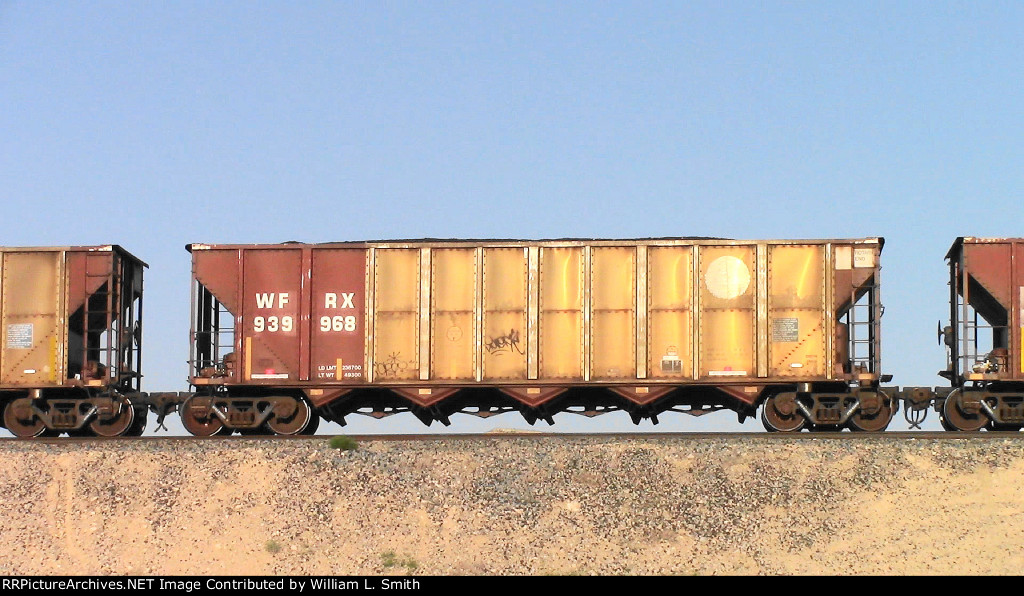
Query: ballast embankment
514, 505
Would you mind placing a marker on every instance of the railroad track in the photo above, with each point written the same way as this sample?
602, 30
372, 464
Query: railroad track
694, 436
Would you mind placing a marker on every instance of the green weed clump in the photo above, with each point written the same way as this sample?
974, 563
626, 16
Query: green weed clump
389, 559
344, 443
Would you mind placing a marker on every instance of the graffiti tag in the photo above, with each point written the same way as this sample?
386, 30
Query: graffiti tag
505, 343
392, 366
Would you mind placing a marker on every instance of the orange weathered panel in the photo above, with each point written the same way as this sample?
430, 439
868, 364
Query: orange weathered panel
453, 314
561, 313
613, 313
504, 339
796, 311
32, 317
396, 314
728, 294
669, 296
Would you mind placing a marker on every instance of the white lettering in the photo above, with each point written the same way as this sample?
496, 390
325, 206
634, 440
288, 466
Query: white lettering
337, 323
330, 300
265, 300
273, 324
346, 299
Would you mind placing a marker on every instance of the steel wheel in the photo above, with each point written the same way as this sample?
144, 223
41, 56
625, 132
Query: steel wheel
779, 418
139, 424
314, 423
200, 421
21, 420
117, 422
291, 416
872, 423
954, 417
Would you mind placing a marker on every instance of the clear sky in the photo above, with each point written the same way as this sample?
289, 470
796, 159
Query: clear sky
157, 124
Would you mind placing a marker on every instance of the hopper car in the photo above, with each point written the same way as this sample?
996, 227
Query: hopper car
284, 335
984, 338
282, 332
71, 341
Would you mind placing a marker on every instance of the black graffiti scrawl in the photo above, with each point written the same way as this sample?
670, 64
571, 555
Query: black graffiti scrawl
505, 343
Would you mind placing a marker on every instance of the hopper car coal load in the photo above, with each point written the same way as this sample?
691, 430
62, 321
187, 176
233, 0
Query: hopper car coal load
70, 341
285, 333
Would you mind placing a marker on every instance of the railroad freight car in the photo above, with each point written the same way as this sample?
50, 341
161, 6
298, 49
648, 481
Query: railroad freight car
70, 340
283, 334
985, 336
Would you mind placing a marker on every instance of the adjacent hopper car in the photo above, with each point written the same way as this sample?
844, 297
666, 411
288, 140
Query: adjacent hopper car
71, 334
985, 336
286, 334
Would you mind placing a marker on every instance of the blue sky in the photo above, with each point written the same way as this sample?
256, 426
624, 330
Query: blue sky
153, 125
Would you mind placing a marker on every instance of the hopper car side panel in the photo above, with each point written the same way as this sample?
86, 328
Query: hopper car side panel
33, 315
278, 316
337, 315
272, 322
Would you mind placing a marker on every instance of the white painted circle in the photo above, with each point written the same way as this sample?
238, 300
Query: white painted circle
727, 277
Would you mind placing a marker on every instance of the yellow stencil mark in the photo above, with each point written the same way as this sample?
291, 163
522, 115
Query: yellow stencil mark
337, 370
53, 359
248, 358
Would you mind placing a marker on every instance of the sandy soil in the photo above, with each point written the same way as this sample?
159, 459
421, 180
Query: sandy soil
508, 505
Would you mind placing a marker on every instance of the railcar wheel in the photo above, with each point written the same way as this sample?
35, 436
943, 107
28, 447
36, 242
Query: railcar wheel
314, 423
21, 420
201, 422
139, 424
781, 417
955, 417
291, 416
872, 423
116, 423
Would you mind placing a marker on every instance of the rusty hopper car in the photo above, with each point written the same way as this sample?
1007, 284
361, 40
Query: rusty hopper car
985, 336
70, 332
283, 334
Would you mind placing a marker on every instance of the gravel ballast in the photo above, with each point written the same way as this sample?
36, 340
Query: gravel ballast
514, 505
